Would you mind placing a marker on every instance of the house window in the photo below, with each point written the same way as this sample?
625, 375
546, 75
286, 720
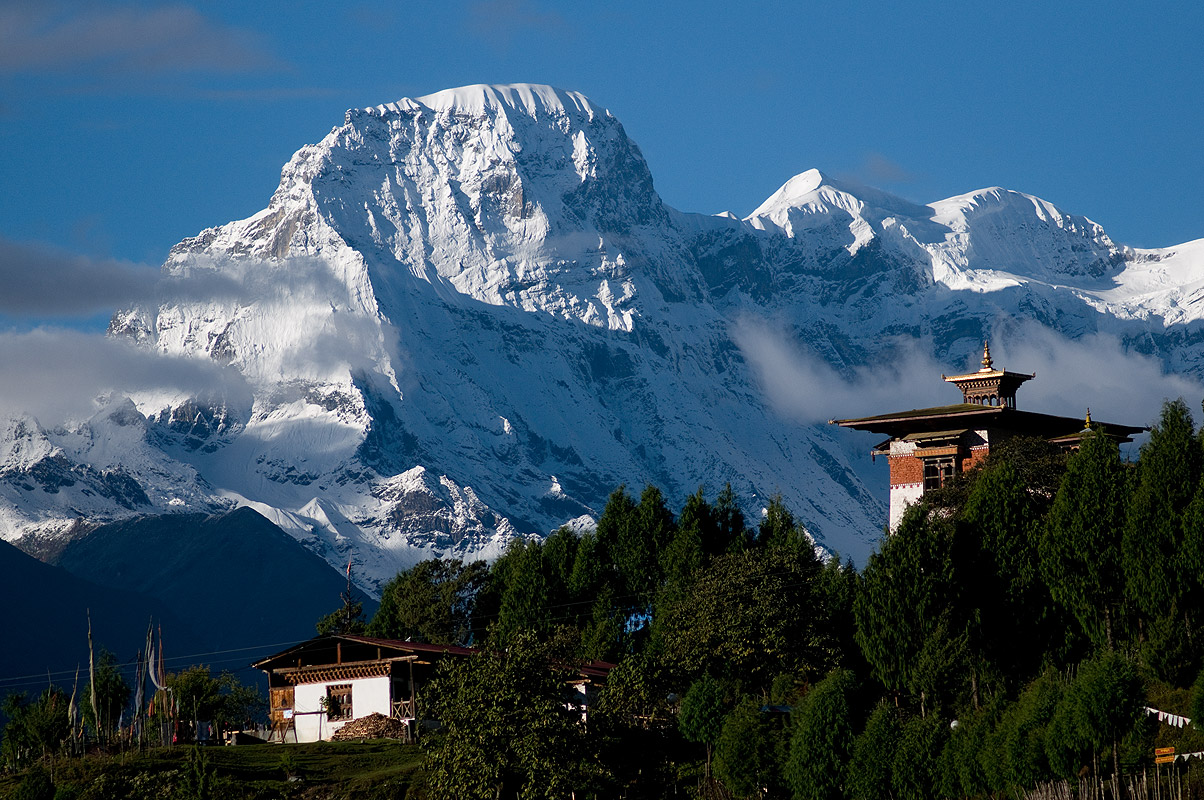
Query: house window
338, 701
937, 471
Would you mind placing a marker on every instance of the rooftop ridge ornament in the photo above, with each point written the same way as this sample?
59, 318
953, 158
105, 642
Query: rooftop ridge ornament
989, 386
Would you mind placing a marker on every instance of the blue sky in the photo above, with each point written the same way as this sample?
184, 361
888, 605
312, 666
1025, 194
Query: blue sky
125, 127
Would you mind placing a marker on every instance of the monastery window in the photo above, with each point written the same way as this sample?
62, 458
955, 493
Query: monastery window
937, 471
338, 702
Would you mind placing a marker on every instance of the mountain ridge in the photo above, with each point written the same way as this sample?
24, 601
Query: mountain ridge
469, 316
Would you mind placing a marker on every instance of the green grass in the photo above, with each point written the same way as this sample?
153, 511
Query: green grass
378, 770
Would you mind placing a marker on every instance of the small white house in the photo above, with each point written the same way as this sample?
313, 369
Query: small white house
320, 685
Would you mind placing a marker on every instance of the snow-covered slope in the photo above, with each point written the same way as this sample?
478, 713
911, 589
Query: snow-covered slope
469, 316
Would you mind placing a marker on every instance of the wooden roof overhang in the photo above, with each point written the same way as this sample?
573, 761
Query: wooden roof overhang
970, 416
342, 656
325, 673
998, 382
337, 650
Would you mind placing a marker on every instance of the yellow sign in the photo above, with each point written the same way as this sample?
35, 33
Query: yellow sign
1164, 759
1164, 751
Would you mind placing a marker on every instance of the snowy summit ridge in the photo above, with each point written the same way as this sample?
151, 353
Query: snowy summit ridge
469, 316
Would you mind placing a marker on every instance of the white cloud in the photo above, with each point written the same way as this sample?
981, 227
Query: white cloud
1094, 371
800, 385
55, 374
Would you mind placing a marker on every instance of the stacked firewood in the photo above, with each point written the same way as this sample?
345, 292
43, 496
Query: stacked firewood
373, 726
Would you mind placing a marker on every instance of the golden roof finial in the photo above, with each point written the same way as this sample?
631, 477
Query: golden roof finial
1087, 424
986, 356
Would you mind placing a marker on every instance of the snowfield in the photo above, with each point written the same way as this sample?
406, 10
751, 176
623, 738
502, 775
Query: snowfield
468, 317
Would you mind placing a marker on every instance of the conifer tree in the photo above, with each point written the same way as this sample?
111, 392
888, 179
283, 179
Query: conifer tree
823, 740
560, 554
873, 753
1106, 697
778, 527
1080, 547
433, 601
745, 750
702, 712
1167, 477
903, 605
524, 598
729, 521
602, 634
914, 771
685, 554
1005, 599
650, 530
619, 549
1020, 745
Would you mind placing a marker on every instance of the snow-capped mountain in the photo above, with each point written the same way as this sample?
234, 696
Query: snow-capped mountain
469, 316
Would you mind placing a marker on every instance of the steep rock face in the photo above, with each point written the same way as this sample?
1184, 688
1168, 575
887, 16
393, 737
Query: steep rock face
468, 317
95, 470
509, 324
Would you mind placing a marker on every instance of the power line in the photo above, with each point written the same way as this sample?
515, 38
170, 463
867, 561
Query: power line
15, 681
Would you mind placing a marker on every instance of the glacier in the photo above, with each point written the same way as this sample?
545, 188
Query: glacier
467, 317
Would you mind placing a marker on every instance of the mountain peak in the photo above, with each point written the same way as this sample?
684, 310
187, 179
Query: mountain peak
532, 99
792, 192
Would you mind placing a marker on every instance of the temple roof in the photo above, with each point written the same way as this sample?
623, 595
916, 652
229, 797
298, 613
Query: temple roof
989, 403
900, 424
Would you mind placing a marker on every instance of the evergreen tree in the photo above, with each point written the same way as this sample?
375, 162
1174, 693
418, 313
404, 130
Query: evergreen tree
744, 753
614, 532
112, 695
433, 601
968, 765
702, 712
523, 604
779, 529
1197, 698
837, 587
1080, 547
504, 728
914, 771
590, 572
746, 618
650, 529
733, 535
603, 633
999, 573
560, 555
1068, 745
34, 729
1189, 566
1108, 694
873, 753
823, 740
1023, 729
686, 553
1167, 477
349, 619
903, 608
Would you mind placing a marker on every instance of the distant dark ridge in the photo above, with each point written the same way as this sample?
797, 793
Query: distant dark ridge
44, 625
235, 579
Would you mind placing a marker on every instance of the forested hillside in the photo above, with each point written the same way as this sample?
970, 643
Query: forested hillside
1011, 634
1031, 629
